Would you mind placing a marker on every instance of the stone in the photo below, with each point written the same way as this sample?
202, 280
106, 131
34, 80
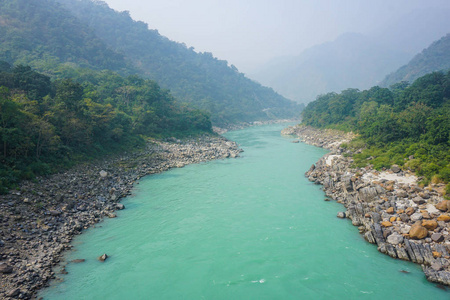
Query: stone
13, 293
103, 174
432, 210
418, 232
120, 206
430, 224
5, 269
416, 217
437, 254
393, 219
395, 239
390, 210
437, 237
54, 212
402, 194
425, 214
405, 229
445, 218
442, 206
386, 224
418, 200
341, 215
409, 211
103, 257
112, 215
404, 217
395, 168
77, 261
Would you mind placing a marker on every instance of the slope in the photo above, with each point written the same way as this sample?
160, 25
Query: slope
43, 34
198, 78
434, 58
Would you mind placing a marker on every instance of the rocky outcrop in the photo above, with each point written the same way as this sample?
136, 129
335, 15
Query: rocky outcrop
39, 219
391, 210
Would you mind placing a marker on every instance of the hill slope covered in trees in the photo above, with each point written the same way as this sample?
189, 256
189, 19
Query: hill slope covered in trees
434, 58
396, 124
197, 78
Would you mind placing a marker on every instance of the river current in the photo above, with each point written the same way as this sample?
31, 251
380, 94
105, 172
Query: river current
247, 228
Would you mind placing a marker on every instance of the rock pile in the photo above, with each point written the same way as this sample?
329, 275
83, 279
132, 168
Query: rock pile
404, 220
39, 219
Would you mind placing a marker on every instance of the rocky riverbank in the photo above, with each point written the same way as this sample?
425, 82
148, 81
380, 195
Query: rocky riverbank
39, 220
390, 208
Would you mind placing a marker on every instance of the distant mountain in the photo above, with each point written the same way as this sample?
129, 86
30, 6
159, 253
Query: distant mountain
198, 78
351, 61
354, 60
434, 58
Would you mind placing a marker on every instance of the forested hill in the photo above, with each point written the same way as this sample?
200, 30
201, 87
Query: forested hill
434, 58
43, 34
198, 78
404, 125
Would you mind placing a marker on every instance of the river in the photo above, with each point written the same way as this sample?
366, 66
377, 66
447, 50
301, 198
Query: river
247, 228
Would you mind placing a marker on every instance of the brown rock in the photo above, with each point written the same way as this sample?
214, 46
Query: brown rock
390, 210
418, 232
445, 218
390, 188
409, 211
425, 215
437, 254
430, 224
442, 206
393, 219
400, 211
386, 224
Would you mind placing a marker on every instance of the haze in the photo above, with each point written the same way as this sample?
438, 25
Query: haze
249, 33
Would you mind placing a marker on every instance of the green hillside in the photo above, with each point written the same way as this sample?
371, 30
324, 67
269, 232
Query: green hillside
197, 78
434, 58
406, 125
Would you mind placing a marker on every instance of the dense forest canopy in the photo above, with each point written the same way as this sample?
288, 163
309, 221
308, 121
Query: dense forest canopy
397, 124
47, 33
198, 78
46, 124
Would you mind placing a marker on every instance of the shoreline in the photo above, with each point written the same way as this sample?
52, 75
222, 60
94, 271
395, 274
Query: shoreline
389, 208
39, 220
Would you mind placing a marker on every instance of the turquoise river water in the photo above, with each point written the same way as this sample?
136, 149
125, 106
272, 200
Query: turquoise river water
247, 228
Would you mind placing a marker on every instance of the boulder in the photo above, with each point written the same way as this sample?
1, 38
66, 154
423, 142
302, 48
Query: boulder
120, 206
103, 257
54, 212
437, 237
416, 217
390, 210
430, 224
386, 224
402, 194
409, 211
395, 239
442, 206
395, 168
445, 218
341, 215
103, 174
418, 232
77, 261
5, 269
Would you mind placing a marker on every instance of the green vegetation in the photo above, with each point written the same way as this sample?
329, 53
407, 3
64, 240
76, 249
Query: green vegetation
46, 125
404, 125
88, 34
434, 58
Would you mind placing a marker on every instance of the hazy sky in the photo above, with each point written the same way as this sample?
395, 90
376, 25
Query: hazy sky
250, 32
